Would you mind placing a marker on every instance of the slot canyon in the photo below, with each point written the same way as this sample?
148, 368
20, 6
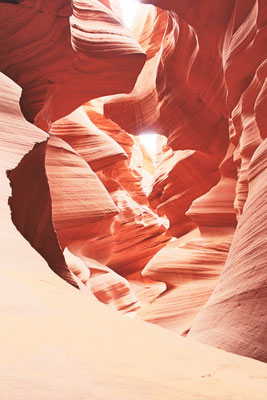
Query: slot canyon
133, 247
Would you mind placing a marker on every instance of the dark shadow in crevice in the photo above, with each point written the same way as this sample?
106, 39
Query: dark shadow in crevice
10, 1
31, 209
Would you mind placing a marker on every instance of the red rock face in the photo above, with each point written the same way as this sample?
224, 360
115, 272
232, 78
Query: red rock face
73, 50
30, 202
178, 100
189, 255
85, 220
207, 89
191, 265
242, 286
86, 139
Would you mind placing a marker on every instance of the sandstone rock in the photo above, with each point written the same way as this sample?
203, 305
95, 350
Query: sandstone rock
23, 149
138, 233
192, 264
181, 177
55, 81
128, 172
176, 89
80, 201
241, 290
199, 94
79, 197
234, 318
57, 339
93, 145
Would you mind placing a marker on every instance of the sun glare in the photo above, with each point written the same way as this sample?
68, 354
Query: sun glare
149, 141
129, 8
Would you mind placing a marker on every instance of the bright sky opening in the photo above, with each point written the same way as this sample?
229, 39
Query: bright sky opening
129, 8
149, 141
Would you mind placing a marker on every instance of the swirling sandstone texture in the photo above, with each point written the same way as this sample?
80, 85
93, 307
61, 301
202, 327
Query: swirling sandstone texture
23, 153
207, 94
85, 220
57, 339
191, 265
51, 57
241, 290
89, 216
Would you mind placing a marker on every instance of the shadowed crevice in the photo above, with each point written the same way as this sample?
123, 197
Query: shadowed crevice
31, 209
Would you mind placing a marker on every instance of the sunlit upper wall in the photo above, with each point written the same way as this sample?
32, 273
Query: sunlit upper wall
149, 141
129, 8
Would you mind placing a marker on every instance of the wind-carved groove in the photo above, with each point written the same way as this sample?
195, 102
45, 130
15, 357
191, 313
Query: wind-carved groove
10, 1
31, 209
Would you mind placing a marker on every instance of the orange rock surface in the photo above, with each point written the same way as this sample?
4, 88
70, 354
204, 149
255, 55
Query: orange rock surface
86, 139
241, 290
57, 339
94, 225
55, 81
191, 265
207, 93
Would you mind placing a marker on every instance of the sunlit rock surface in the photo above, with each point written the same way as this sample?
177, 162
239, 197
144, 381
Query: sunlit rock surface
57, 339
55, 81
23, 148
94, 146
207, 94
237, 304
85, 219
128, 173
191, 265
177, 239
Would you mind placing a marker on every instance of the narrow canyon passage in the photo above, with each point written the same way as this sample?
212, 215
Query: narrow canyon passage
133, 199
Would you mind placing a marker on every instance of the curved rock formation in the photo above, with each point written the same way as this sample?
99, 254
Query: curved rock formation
191, 265
207, 87
181, 177
93, 145
47, 324
128, 172
24, 148
138, 233
241, 289
55, 81
234, 317
80, 201
179, 92
31, 209
107, 286
194, 72
83, 218
136, 226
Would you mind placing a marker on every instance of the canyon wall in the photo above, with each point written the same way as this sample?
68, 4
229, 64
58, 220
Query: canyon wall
62, 342
207, 94
79, 227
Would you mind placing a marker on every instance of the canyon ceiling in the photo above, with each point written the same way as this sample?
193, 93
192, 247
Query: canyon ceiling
127, 274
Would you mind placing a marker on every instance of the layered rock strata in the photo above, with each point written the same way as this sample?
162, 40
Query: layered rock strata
207, 94
195, 73
55, 81
47, 324
112, 248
